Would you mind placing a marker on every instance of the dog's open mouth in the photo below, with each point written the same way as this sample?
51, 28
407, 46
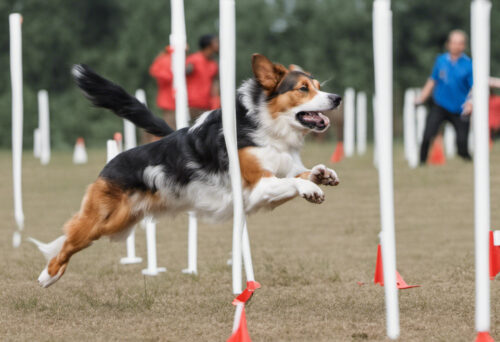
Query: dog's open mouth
313, 120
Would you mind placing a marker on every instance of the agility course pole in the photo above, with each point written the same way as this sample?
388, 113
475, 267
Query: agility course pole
361, 122
421, 113
374, 109
227, 84
130, 141
36, 143
178, 44
449, 138
153, 268
382, 43
44, 126
16, 75
410, 130
349, 98
480, 20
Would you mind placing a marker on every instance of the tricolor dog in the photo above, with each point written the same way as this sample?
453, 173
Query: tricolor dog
187, 170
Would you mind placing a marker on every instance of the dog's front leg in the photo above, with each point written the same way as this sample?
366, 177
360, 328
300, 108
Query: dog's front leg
320, 174
273, 191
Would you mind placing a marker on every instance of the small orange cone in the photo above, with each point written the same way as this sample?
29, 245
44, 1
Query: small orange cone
494, 257
338, 154
437, 152
379, 273
484, 337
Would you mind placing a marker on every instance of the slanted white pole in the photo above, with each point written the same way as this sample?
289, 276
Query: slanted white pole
111, 150
178, 43
382, 43
130, 141
349, 98
361, 122
44, 126
153, 268
16, 75
227, 83
450, 138
480, 19
410, 131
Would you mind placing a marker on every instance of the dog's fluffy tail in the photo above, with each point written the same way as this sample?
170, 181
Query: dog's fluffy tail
49, 250
104, 93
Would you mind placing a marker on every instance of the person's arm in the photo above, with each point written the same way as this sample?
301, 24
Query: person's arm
426, 91
161, 69
494, 82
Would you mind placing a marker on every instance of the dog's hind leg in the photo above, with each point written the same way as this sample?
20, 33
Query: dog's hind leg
105, 211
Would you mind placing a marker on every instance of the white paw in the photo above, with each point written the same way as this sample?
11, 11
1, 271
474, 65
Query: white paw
320, 174
45, 280
311, 192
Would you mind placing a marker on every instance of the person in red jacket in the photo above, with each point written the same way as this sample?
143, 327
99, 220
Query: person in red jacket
202, 77
161, 70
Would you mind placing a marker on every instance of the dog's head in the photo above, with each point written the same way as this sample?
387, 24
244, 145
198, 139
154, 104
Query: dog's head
293, 97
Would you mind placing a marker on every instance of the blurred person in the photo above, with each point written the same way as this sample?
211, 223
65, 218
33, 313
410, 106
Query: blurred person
202, 77
450, 84
161, 70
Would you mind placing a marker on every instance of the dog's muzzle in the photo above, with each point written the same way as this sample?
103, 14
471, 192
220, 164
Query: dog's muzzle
335, 100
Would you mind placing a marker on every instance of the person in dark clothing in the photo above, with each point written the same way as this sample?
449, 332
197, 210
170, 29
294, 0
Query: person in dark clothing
450, 84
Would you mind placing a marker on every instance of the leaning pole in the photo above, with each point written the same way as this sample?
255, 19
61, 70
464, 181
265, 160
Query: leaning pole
382, 43
480, 20
16, 74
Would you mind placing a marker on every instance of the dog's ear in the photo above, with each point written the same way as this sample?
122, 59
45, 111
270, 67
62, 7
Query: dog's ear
267, 74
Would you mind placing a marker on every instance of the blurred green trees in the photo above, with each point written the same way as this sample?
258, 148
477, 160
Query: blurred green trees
120, 38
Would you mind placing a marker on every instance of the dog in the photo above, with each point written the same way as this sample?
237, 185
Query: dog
187, 170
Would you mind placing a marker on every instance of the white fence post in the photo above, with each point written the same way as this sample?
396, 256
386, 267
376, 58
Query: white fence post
44, 126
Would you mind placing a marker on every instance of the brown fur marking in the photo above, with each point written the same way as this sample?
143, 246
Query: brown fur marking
304, 175
251, 170
290, 99
105, 210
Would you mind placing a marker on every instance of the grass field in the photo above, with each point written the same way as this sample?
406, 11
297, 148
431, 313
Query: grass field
307, 257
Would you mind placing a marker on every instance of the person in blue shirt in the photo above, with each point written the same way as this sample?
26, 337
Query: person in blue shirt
450, 84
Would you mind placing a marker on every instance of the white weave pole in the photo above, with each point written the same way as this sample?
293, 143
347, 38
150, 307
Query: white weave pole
349, 112
227, 83
130, 141
361, 122
152, 269
382, 43
421, 114
44, 126
16, 75
450, 138
178, 43
36, 143
374, 108
410, 130
480, 19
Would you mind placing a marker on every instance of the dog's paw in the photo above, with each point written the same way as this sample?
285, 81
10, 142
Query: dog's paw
320, 174
45, 279
311, 192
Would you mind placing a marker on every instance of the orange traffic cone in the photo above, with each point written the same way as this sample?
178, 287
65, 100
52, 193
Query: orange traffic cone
484, 337
379, 273
494, 257
338, 154
437, 152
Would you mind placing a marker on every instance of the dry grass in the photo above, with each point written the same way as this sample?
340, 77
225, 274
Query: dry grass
307, 257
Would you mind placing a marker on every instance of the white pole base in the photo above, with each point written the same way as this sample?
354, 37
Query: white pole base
189, 271
128, 261
16, 239
154, 271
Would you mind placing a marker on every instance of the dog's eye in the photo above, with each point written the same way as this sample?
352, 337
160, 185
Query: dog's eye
304, 88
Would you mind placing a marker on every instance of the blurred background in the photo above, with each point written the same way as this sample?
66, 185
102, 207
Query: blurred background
120, 39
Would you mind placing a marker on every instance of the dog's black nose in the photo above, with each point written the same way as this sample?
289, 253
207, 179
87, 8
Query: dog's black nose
335, 100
